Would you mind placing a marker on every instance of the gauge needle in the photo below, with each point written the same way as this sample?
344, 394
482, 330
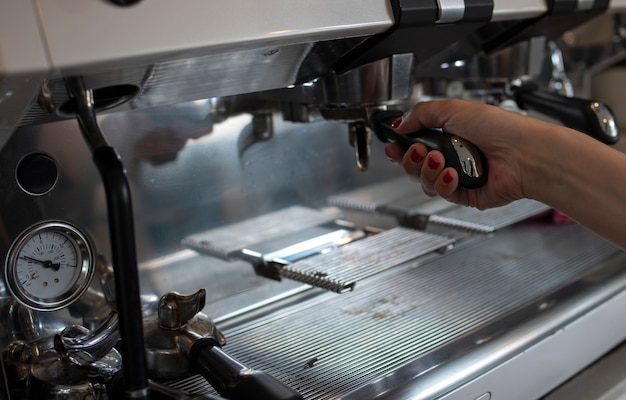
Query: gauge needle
45, 264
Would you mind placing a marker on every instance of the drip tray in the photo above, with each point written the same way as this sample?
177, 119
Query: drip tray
436, 322
405, 201
228, 241
341, 269
488, 221
301, 245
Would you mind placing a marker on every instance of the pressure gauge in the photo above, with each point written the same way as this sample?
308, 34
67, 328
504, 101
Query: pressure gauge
49, 266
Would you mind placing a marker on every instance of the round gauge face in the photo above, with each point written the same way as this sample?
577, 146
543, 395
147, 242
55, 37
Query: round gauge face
49, 266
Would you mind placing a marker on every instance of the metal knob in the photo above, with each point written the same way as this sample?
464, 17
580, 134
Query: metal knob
171, 333
176, 309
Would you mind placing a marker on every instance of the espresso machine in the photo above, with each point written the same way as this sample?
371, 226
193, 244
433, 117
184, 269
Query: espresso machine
195, 202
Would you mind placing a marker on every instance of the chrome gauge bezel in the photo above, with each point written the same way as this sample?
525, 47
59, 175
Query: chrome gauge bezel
80, 280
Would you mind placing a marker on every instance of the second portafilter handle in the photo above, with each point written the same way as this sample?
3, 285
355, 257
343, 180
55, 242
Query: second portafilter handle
181, 328
588, 116
234, 380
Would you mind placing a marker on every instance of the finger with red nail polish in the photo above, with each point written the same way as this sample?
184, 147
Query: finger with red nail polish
431, 169
414, 159
397, 122
388, 154
394, 153
447, 182
433, 162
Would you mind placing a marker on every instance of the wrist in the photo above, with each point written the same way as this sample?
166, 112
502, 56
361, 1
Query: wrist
546, 161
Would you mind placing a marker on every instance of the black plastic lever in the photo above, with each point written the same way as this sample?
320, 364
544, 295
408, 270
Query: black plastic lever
233, 380
591, 117
465, 157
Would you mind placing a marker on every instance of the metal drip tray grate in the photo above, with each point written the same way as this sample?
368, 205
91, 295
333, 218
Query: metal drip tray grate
490, 220
418, 319
339, 270
227, 242
401, 195
292, 244
401, 199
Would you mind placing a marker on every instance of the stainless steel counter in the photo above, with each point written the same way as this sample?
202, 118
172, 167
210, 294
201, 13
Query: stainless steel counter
439, 326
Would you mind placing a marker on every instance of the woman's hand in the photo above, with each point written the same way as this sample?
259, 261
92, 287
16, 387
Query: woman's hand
500, 134
527, 158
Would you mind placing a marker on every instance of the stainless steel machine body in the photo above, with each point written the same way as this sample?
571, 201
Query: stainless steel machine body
264, 260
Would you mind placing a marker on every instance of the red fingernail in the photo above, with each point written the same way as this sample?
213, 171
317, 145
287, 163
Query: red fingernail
432, 163
447, 177
387, 154
396, 123
415, 156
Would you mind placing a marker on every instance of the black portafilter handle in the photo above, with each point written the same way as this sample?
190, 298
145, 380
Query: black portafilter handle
467, 159
591, 117
233, 380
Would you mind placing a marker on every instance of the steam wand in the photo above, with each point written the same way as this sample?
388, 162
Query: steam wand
122, 236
